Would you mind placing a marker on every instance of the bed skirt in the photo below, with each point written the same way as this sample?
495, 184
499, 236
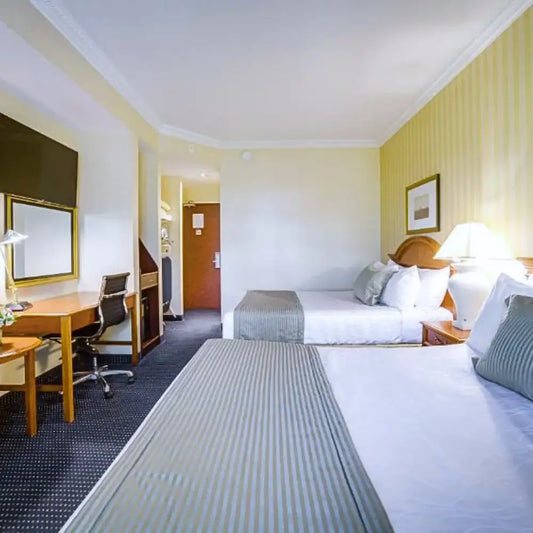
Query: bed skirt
248, 438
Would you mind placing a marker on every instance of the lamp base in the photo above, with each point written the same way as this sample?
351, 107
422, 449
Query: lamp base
18, 306
463, 323
468, 288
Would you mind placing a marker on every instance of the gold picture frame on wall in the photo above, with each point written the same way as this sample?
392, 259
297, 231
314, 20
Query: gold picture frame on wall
50, 251
422, 206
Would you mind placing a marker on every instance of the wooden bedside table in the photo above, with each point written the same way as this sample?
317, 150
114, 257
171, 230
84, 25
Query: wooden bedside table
438, 333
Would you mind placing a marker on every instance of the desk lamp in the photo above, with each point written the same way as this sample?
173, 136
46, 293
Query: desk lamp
469, 247
12, 237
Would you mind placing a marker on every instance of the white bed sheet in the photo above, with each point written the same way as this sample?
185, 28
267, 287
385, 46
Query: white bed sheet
335, 317
446, 450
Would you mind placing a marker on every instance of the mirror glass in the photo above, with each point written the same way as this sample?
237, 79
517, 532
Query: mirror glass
49, 250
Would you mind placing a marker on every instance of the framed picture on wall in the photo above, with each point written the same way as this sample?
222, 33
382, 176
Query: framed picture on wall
422, 206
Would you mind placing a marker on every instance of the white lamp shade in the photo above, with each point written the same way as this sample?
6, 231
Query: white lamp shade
472, 240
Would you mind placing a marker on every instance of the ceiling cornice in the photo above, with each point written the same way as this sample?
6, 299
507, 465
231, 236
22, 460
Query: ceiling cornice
59, 17
305, 143
512, 11
193, 137
190, 136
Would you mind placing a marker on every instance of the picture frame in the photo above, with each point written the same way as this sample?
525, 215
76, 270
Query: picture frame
422, 206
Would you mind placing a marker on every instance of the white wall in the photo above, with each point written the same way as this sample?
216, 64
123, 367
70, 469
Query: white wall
107, 208
108, 205
107, 214
149, 209
171, 192
150, 201
297, 219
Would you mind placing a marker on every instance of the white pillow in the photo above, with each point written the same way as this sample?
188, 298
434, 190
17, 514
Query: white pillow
402, 289
493, 312
433, 286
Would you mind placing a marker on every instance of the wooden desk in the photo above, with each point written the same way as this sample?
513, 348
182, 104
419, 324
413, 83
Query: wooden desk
64, 314
13, 348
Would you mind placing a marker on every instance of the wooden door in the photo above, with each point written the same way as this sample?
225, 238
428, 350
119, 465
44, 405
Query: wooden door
201, 272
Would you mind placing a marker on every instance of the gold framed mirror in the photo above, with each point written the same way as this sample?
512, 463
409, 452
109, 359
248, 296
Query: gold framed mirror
50, 252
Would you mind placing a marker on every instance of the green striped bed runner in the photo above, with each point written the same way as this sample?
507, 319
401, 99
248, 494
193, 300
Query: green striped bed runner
248, 438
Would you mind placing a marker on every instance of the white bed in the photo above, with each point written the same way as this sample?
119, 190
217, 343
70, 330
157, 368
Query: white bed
445, 449
335, 317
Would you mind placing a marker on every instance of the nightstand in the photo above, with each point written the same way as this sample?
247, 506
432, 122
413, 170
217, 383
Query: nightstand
438, 333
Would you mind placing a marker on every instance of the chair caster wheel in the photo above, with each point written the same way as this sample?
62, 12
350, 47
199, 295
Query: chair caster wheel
132, 379
108, 394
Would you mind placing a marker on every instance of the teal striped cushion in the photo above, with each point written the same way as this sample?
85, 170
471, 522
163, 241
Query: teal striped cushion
509, 360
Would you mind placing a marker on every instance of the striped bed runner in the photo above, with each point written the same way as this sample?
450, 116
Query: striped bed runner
269, 316
248, 438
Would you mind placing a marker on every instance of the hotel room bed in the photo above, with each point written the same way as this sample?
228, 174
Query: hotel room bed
262, 436
337, 317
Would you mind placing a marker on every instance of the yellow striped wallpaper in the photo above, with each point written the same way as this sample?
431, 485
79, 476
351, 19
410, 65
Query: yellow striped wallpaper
478, 134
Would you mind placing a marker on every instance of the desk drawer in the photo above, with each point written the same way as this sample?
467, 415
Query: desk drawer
150, 279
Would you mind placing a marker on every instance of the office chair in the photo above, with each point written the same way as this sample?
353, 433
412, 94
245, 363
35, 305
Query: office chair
111, 311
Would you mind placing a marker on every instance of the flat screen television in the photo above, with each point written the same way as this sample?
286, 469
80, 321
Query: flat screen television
34, 166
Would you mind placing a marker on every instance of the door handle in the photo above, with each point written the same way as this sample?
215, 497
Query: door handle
216, 260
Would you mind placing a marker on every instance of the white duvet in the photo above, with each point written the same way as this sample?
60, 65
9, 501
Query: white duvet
446, 450
335, 317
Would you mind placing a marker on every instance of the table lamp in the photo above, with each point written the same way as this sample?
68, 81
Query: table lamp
469, 247
11, 237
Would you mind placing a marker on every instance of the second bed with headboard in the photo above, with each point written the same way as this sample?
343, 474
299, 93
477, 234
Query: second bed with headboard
337, 317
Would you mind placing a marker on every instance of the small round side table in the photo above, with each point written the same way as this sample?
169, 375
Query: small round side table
13, 348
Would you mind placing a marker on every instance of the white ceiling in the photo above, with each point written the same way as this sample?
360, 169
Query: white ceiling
242, 73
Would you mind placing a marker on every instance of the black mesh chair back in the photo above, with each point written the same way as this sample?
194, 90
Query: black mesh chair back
112, 305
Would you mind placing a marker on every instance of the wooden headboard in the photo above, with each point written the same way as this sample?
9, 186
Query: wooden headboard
419, 251
528, 263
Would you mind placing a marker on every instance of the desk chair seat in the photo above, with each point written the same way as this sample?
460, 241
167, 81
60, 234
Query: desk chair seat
111, 312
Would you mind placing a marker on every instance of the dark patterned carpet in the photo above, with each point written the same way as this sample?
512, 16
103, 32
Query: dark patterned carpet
44, 478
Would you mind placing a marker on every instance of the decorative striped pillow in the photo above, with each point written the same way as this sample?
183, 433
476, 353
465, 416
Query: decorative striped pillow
509, 360
371, 281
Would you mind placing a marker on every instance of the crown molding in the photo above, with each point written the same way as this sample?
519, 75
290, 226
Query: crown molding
506, 17
190, 136
56, 14
303, 143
